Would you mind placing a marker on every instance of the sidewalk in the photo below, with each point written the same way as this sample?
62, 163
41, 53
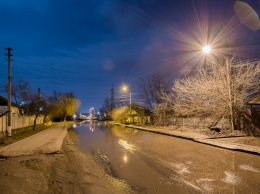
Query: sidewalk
46, 142
243, 144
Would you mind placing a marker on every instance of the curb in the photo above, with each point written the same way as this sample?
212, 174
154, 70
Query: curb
209, 141
231, 146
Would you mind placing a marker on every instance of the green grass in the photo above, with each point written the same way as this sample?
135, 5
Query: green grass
19, 134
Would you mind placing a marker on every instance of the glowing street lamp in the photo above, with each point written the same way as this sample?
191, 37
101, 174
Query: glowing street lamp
125, 88
206, 49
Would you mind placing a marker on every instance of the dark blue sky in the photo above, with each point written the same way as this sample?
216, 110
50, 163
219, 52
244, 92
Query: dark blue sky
85, 46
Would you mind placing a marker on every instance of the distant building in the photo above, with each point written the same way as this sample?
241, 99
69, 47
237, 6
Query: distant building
4, 106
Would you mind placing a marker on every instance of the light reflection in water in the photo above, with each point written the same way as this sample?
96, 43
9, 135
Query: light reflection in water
125, 159
180, 165
125, 145
92, 126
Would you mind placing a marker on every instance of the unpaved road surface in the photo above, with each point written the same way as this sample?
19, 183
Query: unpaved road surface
46, 142
66, 171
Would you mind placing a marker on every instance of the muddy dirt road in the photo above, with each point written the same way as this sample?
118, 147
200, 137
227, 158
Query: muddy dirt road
69, 171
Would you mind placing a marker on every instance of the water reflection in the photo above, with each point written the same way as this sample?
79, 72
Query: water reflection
163, 164
92, 126
125, 159
125, 145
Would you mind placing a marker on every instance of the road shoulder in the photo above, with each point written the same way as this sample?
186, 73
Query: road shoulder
68, 172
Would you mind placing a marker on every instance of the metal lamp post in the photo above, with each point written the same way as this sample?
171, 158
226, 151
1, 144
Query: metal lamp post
125, 88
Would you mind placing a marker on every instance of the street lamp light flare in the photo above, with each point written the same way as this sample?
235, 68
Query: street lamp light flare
124, 88
206, 49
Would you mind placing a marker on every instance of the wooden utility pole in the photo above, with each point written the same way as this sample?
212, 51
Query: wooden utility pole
228, 66
112, 99
9, 128
130, 102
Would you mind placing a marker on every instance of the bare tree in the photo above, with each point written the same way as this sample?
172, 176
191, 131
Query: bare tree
21, 93
218, 90
106, 108
153, 86
62, 105
36, 105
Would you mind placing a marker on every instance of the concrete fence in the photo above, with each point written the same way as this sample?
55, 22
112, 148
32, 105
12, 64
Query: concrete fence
18, 121
194, 122
197, 122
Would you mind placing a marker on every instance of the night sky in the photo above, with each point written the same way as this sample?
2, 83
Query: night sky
85, 46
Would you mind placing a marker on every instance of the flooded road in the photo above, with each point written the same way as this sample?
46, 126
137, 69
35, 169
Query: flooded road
154, 163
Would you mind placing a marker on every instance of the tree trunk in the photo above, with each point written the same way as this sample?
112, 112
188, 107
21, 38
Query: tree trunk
34, 122
64, 119
44, 119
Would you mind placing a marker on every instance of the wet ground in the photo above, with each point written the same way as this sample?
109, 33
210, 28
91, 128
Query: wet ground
154, 163
68, 172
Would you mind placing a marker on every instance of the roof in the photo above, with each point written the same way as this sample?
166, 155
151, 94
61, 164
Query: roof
4, 102
254, 101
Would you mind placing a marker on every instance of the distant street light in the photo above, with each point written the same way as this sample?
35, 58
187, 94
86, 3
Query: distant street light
124, 88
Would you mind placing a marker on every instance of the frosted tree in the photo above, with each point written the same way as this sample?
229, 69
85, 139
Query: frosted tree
163, 113
218, 89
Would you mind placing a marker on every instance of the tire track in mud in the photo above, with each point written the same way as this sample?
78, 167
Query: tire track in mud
106, 164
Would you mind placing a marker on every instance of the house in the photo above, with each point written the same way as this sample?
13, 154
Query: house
252, 116
139, 115
4, 106
254, 102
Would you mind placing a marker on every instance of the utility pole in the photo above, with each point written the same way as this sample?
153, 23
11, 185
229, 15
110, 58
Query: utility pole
130, 102
228, 66
39, 93
112, 99
9, 128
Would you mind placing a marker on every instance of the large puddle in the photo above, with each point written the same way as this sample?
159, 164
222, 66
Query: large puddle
154, 163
